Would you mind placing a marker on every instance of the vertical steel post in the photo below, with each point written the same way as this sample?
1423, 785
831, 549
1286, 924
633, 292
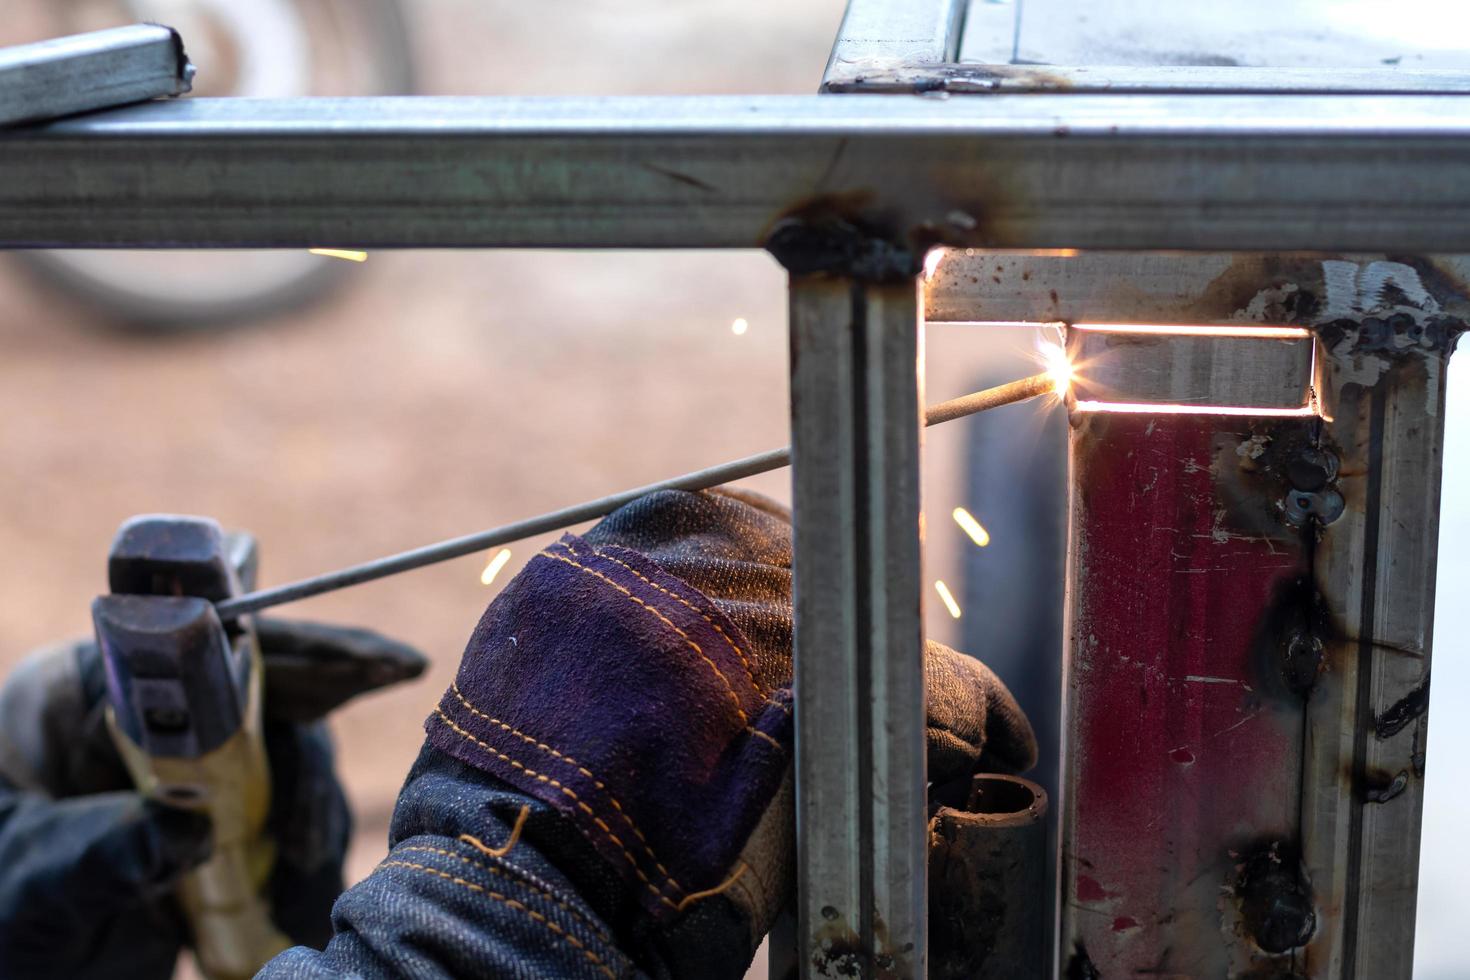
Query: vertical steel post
1387, 330
856, 395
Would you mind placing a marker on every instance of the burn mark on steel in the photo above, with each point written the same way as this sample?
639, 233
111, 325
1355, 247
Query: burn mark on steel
840, 953
936, 79
1403, 711
1288, 645
1380, 787
680, 178
835, 234
1312, 469
1275, 898
1447, 289
1392, 333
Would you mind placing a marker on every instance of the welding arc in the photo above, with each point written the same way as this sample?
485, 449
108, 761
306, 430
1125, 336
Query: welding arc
980, 401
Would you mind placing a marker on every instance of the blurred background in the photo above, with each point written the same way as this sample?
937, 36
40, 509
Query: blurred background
342, 410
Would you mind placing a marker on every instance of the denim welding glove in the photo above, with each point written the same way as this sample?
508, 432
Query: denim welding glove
606, 788
88, 867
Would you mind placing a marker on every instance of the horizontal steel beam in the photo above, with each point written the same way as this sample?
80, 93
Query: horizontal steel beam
920, 75
1025, 171
91, 71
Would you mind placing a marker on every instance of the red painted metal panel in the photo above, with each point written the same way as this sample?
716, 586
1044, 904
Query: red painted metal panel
1182, 730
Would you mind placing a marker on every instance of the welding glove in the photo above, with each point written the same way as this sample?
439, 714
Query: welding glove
88, 867
635, 684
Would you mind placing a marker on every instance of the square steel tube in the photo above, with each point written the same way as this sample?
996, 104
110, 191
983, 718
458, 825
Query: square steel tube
1269, 369
92, 71
862, 842
1218, 172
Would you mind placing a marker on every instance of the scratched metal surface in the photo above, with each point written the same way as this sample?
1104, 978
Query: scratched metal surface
1184, 745
1295, 33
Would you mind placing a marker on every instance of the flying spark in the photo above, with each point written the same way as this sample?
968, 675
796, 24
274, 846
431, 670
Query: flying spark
972, 527
340, 253
948, 597
739, 327
496, 564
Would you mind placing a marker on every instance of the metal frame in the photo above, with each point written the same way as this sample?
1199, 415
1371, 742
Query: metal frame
1037, 171
91, 71
850, 194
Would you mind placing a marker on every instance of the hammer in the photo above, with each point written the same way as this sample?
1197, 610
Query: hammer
184, 692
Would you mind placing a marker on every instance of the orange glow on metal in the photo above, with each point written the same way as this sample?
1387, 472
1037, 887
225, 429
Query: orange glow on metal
1198, 330
948, 597
1156, 408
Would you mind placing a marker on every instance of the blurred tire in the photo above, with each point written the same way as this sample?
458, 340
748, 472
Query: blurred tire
347, 47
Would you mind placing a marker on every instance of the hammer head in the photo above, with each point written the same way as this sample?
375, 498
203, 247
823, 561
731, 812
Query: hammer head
178, 679
176, 683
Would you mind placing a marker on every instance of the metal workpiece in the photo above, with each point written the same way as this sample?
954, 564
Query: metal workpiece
1237, 366
989, 916
1247, 35
1387, 336
1182, 733
856, 391
1256, 595
1025, 171
50, 79
879, 36
961, 79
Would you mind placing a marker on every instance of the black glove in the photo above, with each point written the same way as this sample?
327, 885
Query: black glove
88, 867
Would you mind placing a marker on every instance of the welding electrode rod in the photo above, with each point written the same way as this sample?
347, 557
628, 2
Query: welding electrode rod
980, 401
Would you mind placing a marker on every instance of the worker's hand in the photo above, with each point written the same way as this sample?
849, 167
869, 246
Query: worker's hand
88, 867
637, 682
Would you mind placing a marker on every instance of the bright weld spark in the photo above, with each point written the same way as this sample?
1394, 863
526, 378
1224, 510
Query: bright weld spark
949, 603
972, 527
739, 327
1199, 330
931, 261
496, 564
1151, 408
1053, 356
340, 253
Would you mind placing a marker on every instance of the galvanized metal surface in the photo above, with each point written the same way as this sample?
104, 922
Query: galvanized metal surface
877, 34
1189, 172
958, 79
1246, 33
1388, 328
1260, 370
108, 68
856, 389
